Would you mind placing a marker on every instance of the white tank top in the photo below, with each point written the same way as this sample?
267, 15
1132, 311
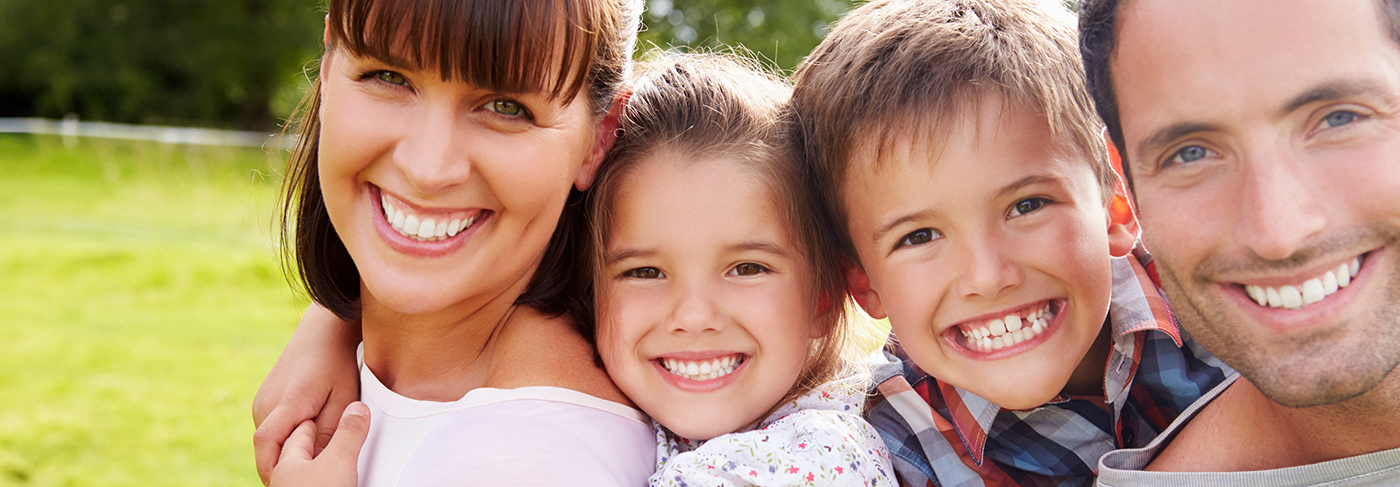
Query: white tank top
525, 436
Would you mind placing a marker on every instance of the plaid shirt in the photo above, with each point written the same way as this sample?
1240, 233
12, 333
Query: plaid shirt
942, 435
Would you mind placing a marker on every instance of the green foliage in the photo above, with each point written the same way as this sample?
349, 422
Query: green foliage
140, 307
209, 63
783, 32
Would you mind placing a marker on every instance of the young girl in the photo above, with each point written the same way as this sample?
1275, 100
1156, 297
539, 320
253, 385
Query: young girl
719, 295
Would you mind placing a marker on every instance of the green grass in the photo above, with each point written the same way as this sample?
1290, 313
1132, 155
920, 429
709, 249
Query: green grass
140, 306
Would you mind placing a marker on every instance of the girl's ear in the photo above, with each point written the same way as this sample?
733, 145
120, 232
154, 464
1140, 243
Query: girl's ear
604, 135
859, 285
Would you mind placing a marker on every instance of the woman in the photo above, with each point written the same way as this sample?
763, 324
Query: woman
440, 147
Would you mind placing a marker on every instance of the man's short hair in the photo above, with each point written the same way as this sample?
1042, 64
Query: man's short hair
1098, 21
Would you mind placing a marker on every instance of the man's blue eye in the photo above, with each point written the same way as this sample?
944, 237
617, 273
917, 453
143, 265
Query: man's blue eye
1339, 118
1190, 154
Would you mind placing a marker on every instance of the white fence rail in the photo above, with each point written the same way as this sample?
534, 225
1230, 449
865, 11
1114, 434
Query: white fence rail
72, 128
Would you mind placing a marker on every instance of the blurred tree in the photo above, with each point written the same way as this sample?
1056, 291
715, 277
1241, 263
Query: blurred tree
210, 63
780, 31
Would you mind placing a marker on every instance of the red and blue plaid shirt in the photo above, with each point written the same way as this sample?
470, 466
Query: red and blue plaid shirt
942, 435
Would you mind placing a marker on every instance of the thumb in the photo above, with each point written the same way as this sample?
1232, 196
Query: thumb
350, 434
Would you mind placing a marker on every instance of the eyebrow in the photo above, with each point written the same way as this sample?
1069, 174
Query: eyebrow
1031, 180
765, 246
1335, 90
627, 253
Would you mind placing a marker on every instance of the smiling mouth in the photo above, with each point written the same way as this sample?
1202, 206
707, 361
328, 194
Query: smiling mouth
703, 370
1310, 291
998, 333
424, 228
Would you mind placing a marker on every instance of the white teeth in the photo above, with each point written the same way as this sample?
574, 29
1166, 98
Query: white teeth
1013, 322
426, 228
453, 227
1312, 290
410, 224
997, 327
398, 220
422, 228
1007, 330
702, 371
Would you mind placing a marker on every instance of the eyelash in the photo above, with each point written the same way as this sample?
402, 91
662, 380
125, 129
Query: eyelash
908, 239
637, 273
1015, 208
495, 106
758, 269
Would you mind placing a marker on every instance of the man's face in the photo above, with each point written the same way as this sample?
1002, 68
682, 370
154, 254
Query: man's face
1264, 140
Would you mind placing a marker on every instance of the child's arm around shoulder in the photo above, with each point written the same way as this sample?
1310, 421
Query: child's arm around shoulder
806, 447
315, 379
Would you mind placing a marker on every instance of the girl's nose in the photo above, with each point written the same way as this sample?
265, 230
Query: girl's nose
695, 311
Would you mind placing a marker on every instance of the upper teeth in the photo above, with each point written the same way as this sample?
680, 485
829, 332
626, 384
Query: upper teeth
1008, 330
701, 371
1312, 290
425, 228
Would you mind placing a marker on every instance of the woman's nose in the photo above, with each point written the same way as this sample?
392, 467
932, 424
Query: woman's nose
432, 154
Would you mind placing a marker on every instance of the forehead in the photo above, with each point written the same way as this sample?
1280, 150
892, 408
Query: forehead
1229, 63
673, 197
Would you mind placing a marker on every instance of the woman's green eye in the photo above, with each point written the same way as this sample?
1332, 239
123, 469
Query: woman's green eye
391, 77
506, 107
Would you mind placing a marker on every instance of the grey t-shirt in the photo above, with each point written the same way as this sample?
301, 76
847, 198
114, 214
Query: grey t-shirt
1123, 468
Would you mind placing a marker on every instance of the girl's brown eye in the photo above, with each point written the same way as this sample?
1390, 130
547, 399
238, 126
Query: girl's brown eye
643, 273
748, 269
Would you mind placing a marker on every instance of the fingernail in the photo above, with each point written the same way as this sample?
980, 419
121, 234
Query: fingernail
357, 409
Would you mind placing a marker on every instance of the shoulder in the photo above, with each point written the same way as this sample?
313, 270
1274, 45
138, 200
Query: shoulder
533, 349
533, 442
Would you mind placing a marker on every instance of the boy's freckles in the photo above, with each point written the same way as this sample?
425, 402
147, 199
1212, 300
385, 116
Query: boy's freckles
997, 226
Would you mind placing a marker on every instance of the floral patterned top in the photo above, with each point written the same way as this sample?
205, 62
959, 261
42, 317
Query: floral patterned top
817, 439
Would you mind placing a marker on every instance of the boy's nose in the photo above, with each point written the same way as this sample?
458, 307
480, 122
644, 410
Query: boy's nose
986, 271
432, 153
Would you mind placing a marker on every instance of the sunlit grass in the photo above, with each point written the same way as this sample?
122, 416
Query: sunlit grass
140, 306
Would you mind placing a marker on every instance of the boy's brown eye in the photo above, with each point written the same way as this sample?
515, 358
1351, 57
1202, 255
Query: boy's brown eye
643, 273
1026, 206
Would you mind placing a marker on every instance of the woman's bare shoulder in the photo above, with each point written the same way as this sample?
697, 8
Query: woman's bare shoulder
534, 349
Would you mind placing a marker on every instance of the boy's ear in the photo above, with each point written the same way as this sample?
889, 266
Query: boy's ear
859, 285
1123, 229
604, 135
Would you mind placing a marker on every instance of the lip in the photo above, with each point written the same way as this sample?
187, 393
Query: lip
416, 248
1285, 321
952, 334
688, 385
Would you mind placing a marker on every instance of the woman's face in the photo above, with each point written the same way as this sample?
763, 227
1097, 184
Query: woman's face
445, 193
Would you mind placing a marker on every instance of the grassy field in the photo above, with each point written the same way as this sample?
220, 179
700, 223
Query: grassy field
140, 306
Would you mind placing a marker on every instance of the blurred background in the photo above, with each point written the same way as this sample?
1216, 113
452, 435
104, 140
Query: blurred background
141, 301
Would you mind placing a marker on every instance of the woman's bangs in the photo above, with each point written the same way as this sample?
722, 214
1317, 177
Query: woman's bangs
507, 46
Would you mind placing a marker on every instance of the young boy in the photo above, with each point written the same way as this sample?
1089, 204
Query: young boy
967, 171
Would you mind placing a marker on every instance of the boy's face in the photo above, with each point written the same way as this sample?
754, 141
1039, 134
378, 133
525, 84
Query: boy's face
1002, 231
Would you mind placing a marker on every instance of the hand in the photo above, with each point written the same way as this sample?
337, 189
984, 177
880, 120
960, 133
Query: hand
315, 379
336, 465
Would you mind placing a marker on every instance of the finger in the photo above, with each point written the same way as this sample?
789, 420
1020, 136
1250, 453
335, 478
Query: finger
350, 434
298, 446
269, 437
331, 411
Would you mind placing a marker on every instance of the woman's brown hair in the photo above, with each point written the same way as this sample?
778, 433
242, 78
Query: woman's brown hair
701, 107
503, 45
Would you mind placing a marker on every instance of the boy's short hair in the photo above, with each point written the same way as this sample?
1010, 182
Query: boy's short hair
895, 64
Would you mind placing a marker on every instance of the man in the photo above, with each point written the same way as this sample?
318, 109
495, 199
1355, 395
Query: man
1262, 141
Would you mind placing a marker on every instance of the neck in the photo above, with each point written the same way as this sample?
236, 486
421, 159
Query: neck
437, 356
1087, 378
1364, 424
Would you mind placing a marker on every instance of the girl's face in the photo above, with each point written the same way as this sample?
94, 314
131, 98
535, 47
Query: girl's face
704, 307
445, 193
